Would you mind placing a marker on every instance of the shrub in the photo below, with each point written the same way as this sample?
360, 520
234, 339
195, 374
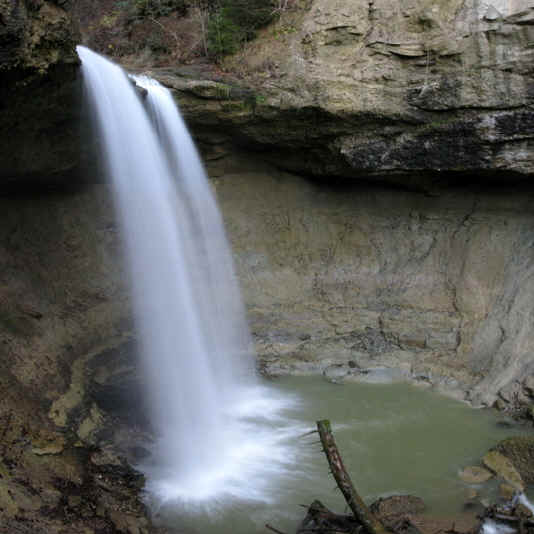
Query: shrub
152, 8
236, 21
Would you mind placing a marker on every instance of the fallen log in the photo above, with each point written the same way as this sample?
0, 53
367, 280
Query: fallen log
320, 519
360, 510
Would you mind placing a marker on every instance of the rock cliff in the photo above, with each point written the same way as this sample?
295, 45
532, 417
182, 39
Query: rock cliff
437, 288
63, 301
373, 163
39, 96
427, 97
65, 368
411, 93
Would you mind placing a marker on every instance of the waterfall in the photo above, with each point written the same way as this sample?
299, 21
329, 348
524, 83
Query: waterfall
491, 526
194, 342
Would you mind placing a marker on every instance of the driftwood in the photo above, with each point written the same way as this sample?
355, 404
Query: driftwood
320, 520
371, 524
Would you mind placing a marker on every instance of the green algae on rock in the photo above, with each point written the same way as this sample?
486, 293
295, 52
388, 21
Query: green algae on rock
504, 468
520, 451
474, 474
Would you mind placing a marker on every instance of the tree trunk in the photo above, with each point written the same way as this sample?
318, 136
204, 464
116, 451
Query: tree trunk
344, 483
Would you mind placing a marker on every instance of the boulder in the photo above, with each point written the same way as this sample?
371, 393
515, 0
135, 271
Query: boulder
528, 385
504, 468
336, 373
507, 492
473, 474
390, 509
39, 94
520, 451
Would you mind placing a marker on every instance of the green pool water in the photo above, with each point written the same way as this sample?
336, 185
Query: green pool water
394, 439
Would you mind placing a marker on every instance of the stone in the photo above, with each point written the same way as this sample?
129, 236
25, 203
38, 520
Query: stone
400, 77
336, 373
520, 451
500, 405
504, 468
523, 511
39, 93
528, 385
280, 221
91, 425
472, 494
510, 392
106, 457
48, 445
74, 501
507, 492
379, 375
397, 506
492, 14
475, 475
523, 400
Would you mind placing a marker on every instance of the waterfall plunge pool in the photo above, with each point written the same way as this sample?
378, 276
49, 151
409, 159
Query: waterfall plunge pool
394, 438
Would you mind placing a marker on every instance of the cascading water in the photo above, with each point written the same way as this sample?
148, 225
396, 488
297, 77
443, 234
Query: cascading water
194, 342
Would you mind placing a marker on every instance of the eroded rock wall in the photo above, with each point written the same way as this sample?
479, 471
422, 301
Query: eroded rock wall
39, 97
438, 286
412, 92
64, 318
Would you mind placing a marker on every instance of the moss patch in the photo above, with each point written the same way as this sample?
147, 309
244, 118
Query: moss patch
520, 451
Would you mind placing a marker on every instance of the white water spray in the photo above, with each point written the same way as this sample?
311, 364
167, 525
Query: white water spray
490, 526
195, 346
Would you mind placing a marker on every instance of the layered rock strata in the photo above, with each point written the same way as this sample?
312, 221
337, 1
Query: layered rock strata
39, 95
438, 287
412, 94
434, 285
66, 367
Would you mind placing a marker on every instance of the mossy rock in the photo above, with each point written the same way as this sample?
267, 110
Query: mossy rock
473, 474
503, 467
520, 451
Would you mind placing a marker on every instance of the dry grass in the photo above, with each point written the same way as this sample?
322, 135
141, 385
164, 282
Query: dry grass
263, 57
107, 28
176, 39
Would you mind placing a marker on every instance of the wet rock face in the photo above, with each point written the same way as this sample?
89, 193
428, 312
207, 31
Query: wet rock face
504, 468
391, 509
65, 353
353, 282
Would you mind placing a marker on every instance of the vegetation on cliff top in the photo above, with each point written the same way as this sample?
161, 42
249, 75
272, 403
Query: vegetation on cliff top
174, 30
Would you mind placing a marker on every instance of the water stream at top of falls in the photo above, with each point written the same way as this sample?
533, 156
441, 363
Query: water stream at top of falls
195, 346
